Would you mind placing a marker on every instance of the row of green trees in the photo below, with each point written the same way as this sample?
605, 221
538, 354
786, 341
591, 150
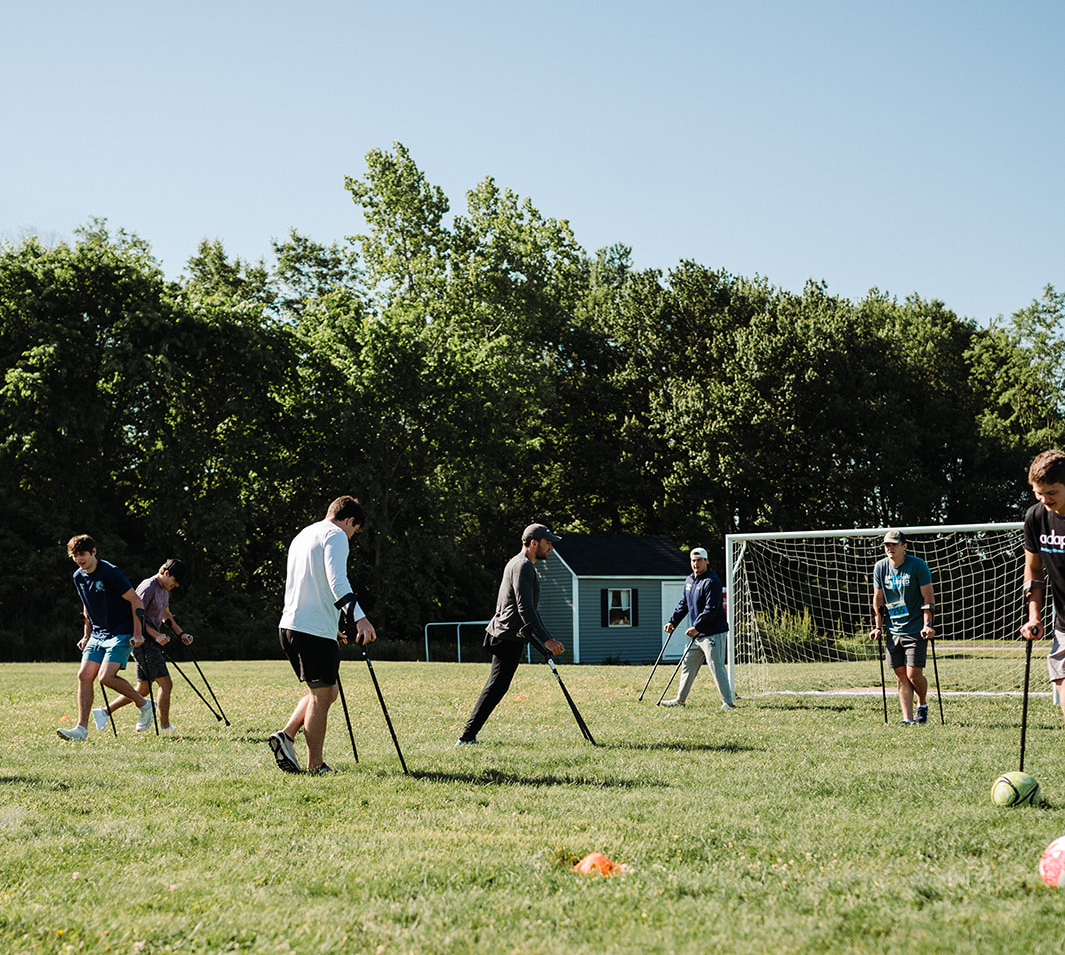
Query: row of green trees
464, 378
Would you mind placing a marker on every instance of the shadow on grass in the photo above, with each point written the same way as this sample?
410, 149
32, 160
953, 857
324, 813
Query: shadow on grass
997, 724
38, 781
800, 705
684, 746
497, 777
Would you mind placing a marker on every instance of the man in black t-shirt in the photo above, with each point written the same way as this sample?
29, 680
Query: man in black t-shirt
1044, 559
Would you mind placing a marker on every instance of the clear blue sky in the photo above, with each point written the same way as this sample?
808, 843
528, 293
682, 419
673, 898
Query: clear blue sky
912, 146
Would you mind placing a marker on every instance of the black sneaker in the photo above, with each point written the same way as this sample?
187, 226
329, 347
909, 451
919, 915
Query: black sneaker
922, 714
467, 742
324, 770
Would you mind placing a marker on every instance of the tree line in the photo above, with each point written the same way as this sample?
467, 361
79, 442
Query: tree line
464, 378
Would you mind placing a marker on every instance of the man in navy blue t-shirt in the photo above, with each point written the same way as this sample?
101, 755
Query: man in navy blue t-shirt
112, 628
704, 605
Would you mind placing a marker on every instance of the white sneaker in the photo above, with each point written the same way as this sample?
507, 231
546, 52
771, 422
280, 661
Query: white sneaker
145, 718
78, 733
728, 706
672, 703
284, 752
99, 716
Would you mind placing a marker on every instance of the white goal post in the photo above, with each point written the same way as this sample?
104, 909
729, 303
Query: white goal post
800, 609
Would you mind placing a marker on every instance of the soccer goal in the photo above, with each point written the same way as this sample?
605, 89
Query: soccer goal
800, 609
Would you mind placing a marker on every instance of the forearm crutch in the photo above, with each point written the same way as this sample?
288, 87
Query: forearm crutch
655, 667
188, 650
384, 709
107, 706
676, 670
935, 670
1024, 706
529, 632
347, 719
195, 690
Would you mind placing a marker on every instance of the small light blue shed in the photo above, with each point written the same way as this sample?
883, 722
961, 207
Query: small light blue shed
607, 596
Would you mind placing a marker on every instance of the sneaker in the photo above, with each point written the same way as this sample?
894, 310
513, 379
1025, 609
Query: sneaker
284, 752
78, 733
907, 722
144, 721
672, 703
922, 714
99, 716
467, 742
728, 706
324, 770
166, 729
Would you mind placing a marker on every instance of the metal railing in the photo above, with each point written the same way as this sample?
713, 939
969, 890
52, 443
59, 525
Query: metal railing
458, 625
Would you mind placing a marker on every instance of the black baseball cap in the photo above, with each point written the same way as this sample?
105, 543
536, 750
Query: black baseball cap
178, 570
895, 537
535, 532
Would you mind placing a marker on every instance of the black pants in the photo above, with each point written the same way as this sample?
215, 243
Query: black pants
506, 655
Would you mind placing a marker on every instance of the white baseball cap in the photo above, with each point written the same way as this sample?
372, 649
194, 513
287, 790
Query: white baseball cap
700, 552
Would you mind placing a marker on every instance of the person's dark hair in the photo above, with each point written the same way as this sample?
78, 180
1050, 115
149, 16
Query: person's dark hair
344, 507
80, 544
1048, 468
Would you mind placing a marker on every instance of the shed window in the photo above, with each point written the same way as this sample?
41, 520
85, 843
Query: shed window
619, 608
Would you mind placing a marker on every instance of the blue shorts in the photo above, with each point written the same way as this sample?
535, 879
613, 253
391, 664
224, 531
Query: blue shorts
108, 649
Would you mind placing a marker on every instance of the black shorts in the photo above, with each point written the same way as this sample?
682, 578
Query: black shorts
315, 660
151, 664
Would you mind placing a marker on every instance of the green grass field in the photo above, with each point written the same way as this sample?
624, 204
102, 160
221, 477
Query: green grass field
794, 824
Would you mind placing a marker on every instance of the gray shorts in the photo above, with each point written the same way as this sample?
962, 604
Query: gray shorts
1056, 657
906, 651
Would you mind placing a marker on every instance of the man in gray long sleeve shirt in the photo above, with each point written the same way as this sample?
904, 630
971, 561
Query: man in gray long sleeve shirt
519, 593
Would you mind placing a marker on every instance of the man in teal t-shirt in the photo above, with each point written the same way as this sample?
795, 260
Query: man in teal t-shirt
902, 593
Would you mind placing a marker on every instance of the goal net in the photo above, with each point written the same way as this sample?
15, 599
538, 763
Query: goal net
800, 609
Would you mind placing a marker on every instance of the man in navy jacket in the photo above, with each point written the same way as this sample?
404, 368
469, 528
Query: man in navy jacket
704, 606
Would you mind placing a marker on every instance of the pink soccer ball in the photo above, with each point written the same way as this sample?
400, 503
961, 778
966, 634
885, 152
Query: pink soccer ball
1052, 865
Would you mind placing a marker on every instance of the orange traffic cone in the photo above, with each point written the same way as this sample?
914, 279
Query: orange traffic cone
596, 863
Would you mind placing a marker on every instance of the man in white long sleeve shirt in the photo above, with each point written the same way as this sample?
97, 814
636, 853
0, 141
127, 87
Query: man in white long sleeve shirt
319, 602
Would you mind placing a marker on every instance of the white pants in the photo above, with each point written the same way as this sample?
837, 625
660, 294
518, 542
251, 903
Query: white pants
706, 650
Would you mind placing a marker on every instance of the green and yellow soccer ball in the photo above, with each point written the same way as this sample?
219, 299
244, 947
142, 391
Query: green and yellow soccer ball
1015, 789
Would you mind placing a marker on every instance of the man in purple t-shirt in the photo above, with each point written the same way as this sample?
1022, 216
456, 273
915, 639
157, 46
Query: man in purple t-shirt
154, 593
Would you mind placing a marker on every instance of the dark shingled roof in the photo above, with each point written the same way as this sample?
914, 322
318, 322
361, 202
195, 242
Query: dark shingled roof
623, 555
